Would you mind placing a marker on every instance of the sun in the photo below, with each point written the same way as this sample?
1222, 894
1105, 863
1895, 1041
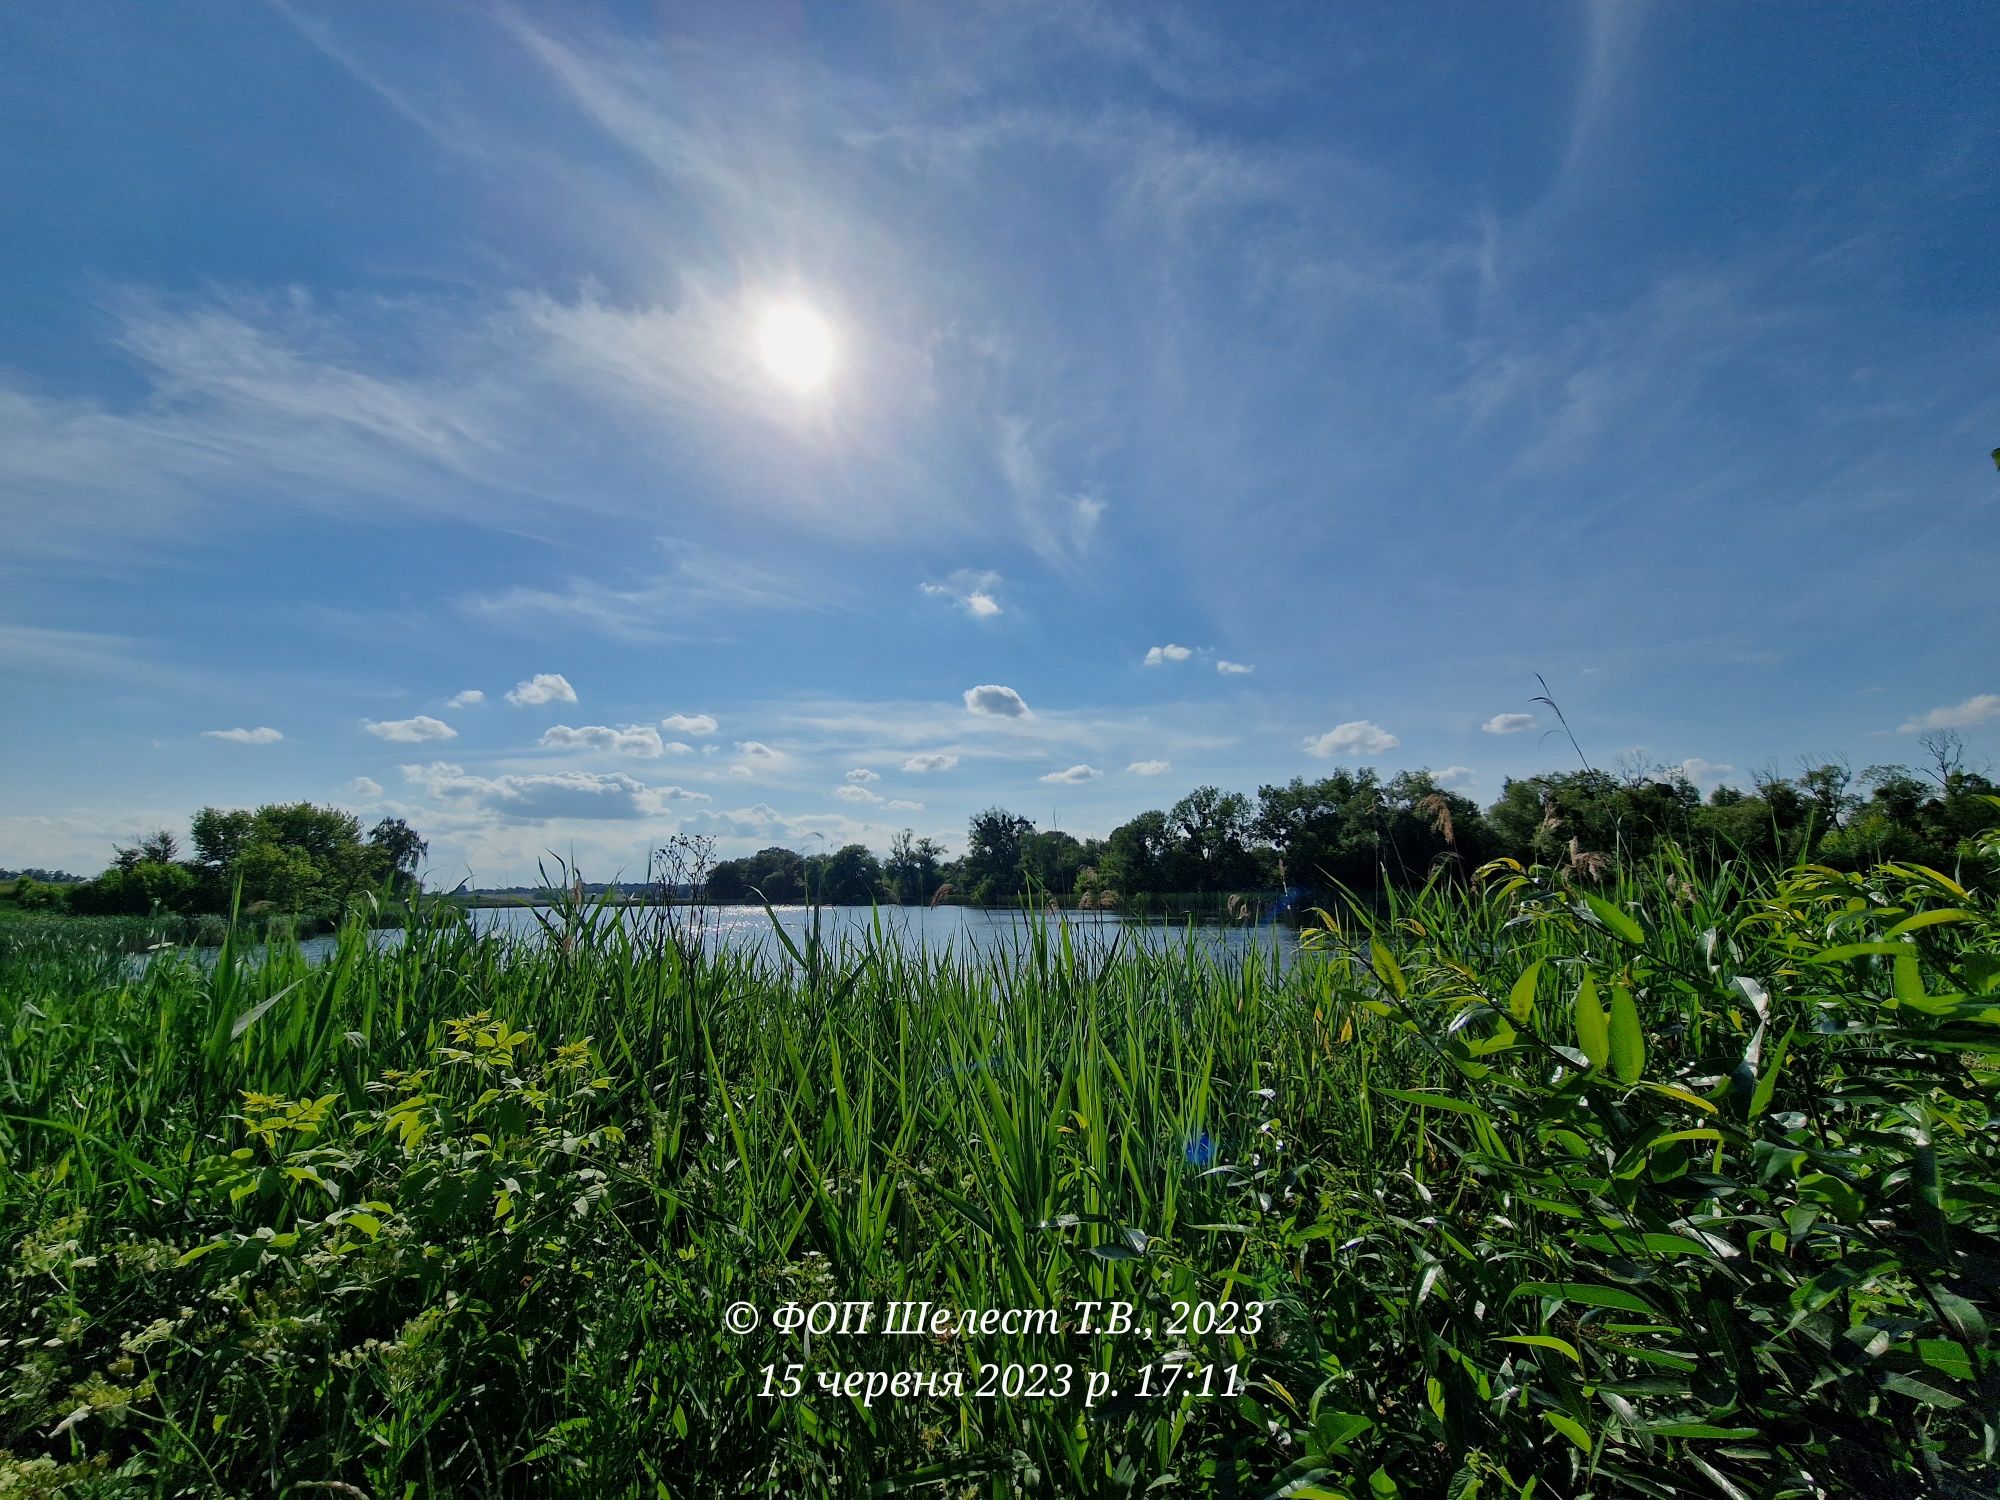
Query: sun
797, 346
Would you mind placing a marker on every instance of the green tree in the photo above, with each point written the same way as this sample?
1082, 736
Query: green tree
914, 869
991, 868
399, 849
850, 876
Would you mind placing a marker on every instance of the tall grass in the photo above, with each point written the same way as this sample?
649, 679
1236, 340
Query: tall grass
1682, 1186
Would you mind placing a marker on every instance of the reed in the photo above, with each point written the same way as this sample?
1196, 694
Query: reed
1674, 1183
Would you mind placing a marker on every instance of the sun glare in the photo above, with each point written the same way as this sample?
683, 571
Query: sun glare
797, 345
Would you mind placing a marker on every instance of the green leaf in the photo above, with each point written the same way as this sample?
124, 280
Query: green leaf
1570, 1428
1542, 1341
1586, 1294
1616, 919
1434, 1101
1521, 999
1387, 970
1947, 1356
1593, 1033
1628, 1041
1760, 1097
1929, 919
1908, 983
1699, 1430
1930, 1395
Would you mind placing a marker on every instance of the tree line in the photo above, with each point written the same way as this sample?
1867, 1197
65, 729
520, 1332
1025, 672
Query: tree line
290, 857
1357, 830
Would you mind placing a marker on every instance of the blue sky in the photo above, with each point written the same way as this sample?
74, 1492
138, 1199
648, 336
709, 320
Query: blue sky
1209, 402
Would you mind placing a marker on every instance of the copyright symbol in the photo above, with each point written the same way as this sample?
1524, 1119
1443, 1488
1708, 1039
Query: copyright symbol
739, 1317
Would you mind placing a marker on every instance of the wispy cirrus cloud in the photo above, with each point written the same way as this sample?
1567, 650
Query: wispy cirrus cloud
971, 590
1977, 709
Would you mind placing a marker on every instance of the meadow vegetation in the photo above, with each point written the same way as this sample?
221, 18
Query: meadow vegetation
1675, 1180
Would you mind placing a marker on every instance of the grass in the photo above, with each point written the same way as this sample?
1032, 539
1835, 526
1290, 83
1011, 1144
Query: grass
1683, 1185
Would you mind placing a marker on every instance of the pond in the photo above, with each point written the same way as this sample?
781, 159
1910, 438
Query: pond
961, 930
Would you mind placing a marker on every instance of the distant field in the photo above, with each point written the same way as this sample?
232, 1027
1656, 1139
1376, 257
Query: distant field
1684, 1185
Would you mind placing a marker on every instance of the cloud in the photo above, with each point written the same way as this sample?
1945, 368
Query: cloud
1234, 668
1150, 767
410, 731
694, 724
543, 687
930, 760
1073, 775
363, 786
536, 799
970, 590
1168, 653
1974, 710
263, 735
757, 750
990, 700
742, 773
633, 739
898, 804
862, 773
465, 699
1058, 523
851, 793
1454, 778
678, 601
1508, 723
1362, 736
1699, 771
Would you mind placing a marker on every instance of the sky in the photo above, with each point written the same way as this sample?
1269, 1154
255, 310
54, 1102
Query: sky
390, 415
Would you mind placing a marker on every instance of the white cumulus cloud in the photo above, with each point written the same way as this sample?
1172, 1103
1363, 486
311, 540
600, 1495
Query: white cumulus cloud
694, 724
1974, 710
993, 701
363, 786
543, 687
262, 735
1150, 767
1234, 668
1701, 772
1360, 736
862, 773
1454, 778
1167, 653
465, 699
757, 750
535, 799
848, 792
1508, 723
898, 804
410, 731
930, 760
1073, 775
633, 739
